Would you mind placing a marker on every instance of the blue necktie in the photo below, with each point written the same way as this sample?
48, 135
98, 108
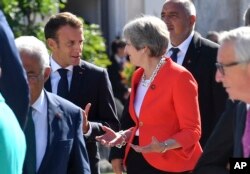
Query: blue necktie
63, 86
30, 158
174, 53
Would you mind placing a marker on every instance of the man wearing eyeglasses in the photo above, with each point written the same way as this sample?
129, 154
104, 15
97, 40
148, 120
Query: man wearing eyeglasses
231, 137
53, 132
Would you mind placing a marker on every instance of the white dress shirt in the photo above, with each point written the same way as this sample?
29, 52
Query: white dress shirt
39, 115
55, 76
139, 97
183, 49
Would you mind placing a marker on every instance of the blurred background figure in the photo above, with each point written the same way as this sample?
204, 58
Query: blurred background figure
118, 59
13, 84
213, 36
12, 140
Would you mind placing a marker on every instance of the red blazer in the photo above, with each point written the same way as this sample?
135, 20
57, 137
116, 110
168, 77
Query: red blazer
169, 110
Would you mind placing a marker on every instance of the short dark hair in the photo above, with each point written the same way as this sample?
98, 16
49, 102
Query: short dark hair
116, 44
57, 21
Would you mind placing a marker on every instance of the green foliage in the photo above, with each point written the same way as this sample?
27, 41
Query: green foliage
127, 73
94, 46
27, 17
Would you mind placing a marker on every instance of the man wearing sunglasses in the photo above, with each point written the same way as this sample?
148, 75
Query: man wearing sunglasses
231, 137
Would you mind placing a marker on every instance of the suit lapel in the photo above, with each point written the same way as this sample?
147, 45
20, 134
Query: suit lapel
239, 127
53, 113
193, 53
78, 72
77, 79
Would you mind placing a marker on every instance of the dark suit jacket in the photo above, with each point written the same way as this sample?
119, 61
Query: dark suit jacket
13, 84
225, 141
90, 84
66, 150
200, 61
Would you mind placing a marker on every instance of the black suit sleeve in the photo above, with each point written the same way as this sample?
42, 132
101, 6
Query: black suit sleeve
106, 108
219, 147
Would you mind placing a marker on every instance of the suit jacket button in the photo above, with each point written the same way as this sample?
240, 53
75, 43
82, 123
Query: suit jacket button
140, 123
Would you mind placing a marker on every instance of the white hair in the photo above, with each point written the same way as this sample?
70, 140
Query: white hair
33, 47
240, 37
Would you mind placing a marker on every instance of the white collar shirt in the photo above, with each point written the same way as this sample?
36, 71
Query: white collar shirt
39, 115
55, 76
183, 49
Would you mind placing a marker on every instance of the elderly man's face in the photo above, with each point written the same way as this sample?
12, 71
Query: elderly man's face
234, 76
35, 74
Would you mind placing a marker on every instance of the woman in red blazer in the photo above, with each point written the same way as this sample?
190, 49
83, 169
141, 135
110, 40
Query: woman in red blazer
163, 107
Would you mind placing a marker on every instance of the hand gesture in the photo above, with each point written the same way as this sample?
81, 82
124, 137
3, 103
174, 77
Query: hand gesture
110, 138
85, 112
154, 146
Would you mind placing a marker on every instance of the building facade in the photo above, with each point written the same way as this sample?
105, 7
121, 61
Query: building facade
112, 15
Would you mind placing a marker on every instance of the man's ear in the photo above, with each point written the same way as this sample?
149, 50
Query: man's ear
192, 20
46, 73
51, 44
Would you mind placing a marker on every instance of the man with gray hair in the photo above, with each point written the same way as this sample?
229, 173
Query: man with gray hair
54, 129
231, 137
189, 49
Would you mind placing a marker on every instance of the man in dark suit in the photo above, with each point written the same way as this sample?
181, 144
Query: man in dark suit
13, 84
229, 138
198, 55
85, 82
54, 129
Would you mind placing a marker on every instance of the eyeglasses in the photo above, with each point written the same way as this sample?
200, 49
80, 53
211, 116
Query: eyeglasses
221, 67
33, 77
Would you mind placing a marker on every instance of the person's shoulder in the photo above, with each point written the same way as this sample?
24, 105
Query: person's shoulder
175, 67
90, 66
175, 70
205, 42
57, 100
